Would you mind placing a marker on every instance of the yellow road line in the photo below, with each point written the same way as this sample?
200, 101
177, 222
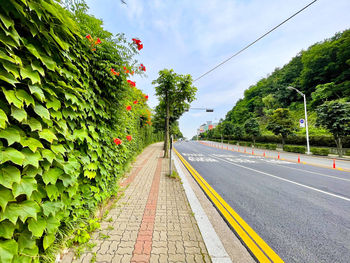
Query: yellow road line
252, 240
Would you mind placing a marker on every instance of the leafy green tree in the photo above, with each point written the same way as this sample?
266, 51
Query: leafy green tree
252, 128
175, 94
281, 123
335, 116
237, 131
227, 128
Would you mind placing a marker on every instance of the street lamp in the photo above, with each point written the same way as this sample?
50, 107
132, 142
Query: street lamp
306, 124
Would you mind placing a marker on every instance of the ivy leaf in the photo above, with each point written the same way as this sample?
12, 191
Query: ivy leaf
89, 174
58, 148
7, 77
26, 186
51, 175
11, 154
11, 68
6, 57
18, 114
51, 207
48, 155
34, 124
42, 111
28, 72
52, 191
37, 227
8, 249
52, 224
5, 197
53, 103
9, 175
24, 96
3, 119
48, 62
36, 66
27, 245
32, 143
12, 135
48, 240
11, 98
68, 180
22, 210
31, 158
47, 135
6, 21
7, 229
37, 92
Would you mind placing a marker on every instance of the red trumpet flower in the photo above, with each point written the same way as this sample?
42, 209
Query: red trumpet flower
135, 101
98, 41
128, 107
146, 97
129, 138
133, 84
117, 141
88, 36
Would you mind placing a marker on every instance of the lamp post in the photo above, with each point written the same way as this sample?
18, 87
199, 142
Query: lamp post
306, 124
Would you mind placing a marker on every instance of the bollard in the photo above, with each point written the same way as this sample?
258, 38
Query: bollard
278, 155
333, 163
264, 154
298, 158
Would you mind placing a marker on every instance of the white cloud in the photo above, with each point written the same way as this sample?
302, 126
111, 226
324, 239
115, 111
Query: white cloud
193, 36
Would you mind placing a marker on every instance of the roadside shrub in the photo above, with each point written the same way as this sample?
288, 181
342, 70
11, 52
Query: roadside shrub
294, 148
320, 151
347, 153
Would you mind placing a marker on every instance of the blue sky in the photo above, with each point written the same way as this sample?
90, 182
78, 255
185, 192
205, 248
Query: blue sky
193, 36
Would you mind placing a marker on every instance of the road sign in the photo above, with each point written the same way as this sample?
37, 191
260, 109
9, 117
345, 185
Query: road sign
302, 123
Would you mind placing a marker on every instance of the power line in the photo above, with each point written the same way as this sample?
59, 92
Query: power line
252, 43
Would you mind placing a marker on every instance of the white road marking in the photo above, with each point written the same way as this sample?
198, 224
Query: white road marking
325, 175
289, 181
202, 159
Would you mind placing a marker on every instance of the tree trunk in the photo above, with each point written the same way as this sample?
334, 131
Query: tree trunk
166, 141
338, 142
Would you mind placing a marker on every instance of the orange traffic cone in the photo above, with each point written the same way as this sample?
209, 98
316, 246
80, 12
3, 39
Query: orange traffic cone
333, 163
278, 155
298, 158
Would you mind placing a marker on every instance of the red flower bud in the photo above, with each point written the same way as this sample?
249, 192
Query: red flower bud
129, 138
135, 101
146, 97
117, 141
140, 46
88, 36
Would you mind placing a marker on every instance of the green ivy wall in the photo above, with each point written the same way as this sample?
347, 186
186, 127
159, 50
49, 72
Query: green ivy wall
60, 109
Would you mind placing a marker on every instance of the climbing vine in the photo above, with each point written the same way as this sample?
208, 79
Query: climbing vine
70, 120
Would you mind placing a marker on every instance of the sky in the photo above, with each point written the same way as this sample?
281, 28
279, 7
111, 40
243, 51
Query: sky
191, 37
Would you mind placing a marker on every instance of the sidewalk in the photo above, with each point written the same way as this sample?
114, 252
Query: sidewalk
152, 221
322, 161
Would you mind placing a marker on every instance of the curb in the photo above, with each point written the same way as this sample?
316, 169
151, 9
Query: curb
213, 243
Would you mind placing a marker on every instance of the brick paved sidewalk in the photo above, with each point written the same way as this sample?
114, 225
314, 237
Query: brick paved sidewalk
152, 222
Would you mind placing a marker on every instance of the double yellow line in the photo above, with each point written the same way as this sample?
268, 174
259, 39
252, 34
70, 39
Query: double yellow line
256, 245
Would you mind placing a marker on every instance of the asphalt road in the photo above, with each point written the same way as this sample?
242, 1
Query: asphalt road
302, 212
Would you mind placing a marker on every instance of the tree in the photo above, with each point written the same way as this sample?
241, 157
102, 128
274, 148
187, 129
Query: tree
281, 123
251, 128
175, 94
335, 116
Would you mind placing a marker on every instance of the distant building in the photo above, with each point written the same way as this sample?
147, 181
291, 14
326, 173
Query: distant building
206, 126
